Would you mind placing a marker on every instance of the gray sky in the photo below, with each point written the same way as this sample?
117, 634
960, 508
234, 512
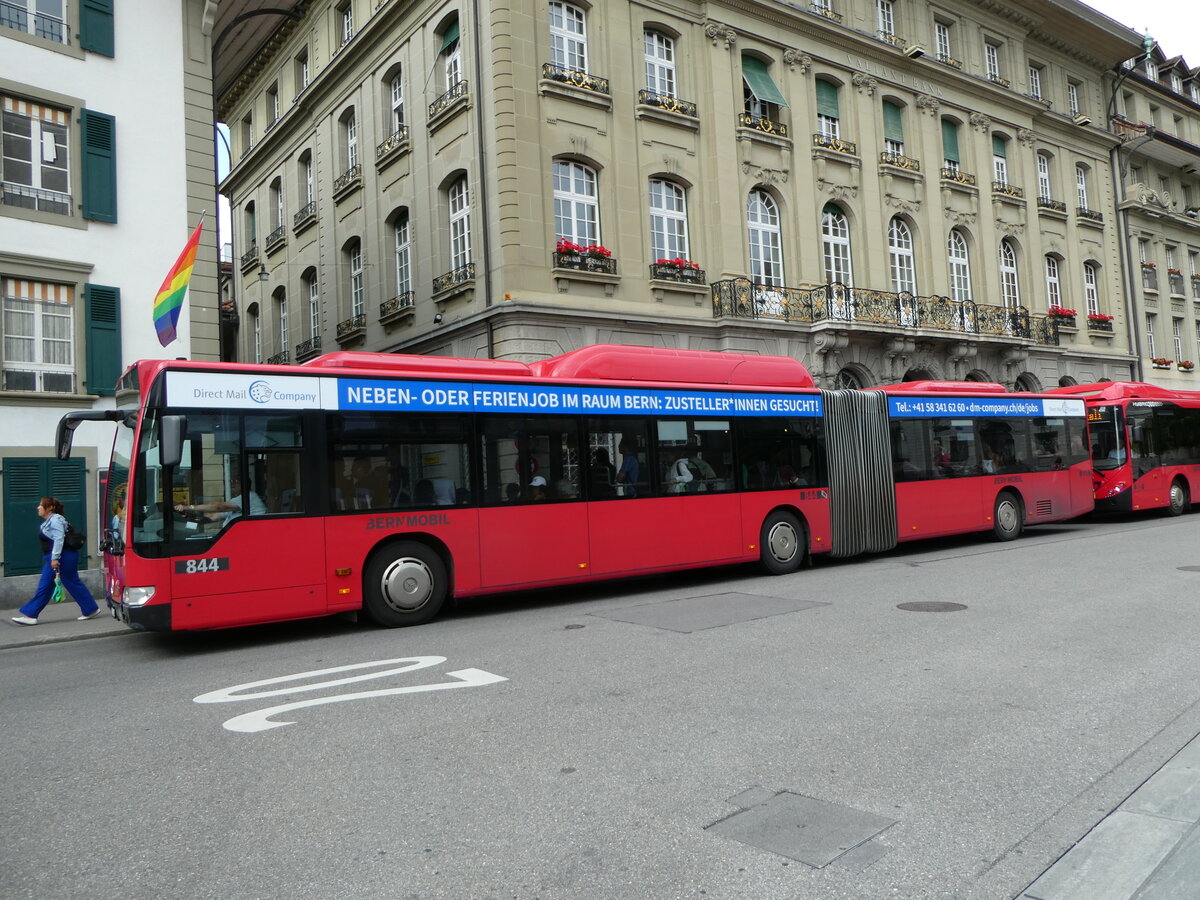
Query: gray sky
1175, 24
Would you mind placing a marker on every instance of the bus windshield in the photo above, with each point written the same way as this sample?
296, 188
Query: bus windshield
1106, 427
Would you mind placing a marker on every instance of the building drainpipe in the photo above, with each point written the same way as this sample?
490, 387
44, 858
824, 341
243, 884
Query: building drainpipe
1126, 247
483, 179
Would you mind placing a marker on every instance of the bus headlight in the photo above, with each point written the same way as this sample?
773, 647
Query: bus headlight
137, 596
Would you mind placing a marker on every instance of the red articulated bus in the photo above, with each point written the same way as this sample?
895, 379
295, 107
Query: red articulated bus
1145, 445
384, 483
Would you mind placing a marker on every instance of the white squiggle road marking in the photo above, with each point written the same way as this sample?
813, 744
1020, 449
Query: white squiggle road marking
225, 695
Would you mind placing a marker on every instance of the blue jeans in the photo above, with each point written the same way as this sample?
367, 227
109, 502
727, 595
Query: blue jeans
68, 571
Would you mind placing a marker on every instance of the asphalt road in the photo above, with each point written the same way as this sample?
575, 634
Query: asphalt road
802, 737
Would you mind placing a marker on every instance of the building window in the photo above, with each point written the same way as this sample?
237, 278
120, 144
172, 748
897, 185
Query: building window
900, 250
1010, 291
960, 267
766, 257
39, 336
354, 264
576, 208
668, 221
1073, 98
250, 220
1053, 287
1091, 288
893, 128
306, 179
35, 166
885, 17
396, 89
568, 37
41, 18
1081, 188
1150, 351
276, 204
403, 250
950, 145
303, 75
451, 53
991, 57
999, 159
1152, 70
281, 313
350, 139
345, 14
1035, 82
1177, 336
1045, 190
1176, 83
660, 64
761, 98
835, 244
460, 224
255, 334
314, 303
828, 111
941, 40
272, 105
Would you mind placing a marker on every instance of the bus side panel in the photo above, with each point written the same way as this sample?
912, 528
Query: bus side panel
533, 543
813, 504
1152, 490
656, 532
943, 506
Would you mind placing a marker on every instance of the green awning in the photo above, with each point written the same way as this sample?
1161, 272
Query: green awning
759, 81
827, 99
999, 145
949, 140
893, 122
449, 37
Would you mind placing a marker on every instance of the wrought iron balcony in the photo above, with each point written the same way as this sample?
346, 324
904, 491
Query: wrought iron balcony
825, 12
25, 197
899, 161
281, 358
276, 239
40, 24
949, 61
445, 101
348, 181
741, 298
957, 176
894, 40
308, 348
760, 123
673, 272
352, 327
394, 142
453, 278
664, 101
585, 262
1051, 204
1000, 80
827, 142
305, 217
1090, 215
250, 257
575, 78
393, 306
1004, 189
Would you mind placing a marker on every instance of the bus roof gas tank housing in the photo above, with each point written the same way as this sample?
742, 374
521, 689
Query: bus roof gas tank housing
403, 364
945, 387
613, 362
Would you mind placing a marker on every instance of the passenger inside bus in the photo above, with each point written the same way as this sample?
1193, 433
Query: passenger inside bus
604, 475
537, 489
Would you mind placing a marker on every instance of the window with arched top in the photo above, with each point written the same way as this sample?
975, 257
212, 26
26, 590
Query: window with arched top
766, 257
281, 318
312, 292
835, 245
1010, 290
354, 269
1027, 383
249, 220
402, 253
659, 56
950, 152
458, 204
276, 203
900, 252
828, 109
307, 195
668, 221
396, 101
576, 203
1000, 159
568, 37
255, 333
349, 134
450, 55
1067, 381
960, 266
893, 128
846, 380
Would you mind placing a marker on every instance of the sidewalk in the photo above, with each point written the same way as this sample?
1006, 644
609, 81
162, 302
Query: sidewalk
56, 624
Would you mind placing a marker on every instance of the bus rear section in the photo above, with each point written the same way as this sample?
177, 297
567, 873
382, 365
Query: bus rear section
1145, 446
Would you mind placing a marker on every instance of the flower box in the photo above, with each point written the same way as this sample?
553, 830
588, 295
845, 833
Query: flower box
677, 270
1161, 362
1186, 365
1099, 322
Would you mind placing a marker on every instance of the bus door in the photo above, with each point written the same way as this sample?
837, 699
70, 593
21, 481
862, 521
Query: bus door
242, 550
533, 524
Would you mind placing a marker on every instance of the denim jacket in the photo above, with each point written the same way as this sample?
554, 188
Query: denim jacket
54, 529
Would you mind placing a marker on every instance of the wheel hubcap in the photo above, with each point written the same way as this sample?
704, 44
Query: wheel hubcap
1176, 496
406, 584
1006, 516
782, 542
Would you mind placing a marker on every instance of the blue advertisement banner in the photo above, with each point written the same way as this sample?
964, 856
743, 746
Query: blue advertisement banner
457, 396
982, 407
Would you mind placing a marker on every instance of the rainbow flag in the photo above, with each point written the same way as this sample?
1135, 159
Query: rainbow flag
170, 296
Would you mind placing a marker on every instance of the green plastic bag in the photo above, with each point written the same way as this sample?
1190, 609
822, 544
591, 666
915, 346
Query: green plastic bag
59, 595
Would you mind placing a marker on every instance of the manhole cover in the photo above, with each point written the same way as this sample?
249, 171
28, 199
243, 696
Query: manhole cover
931, 606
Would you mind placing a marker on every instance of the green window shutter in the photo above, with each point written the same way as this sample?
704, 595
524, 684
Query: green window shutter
999, 145
96, 26
754, 71
102, 327
98, 135
827, 99
893, 122
949, 140
26, 481
449, 37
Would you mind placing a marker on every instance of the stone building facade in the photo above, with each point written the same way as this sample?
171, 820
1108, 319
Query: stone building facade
883, 191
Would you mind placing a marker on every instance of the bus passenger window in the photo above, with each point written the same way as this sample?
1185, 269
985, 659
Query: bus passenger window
625, 448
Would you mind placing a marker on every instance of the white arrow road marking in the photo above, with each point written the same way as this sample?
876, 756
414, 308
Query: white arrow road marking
225, 695
258, 720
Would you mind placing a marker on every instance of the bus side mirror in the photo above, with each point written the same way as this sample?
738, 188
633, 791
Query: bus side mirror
171, 429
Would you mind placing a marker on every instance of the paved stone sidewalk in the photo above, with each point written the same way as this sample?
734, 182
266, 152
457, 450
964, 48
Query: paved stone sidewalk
58, 623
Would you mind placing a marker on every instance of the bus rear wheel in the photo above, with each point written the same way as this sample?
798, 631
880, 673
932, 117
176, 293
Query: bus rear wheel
1008, 517
405, 584
782, 543
1178, 499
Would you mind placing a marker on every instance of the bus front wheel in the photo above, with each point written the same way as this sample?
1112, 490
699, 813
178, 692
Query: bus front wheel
405, 584
782, 543
1008, 518
1179, 498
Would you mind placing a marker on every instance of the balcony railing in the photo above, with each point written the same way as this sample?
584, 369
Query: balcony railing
900, 161
1100, 325
949, 61
448, 99
672, 272
276, 238
828, 142
352, 327
583, 262
1004, 189
1176, 281
740, 298
24, 197
957, 176
1090, 215
894, 40
308, 348
392, 143
762, 124
1000, 80
305, 216
281, 358
1051, 204
250, 257
39, 24
1149, 279
664, 101
575, 78
349, 180
395, 305
453, 278
825, 12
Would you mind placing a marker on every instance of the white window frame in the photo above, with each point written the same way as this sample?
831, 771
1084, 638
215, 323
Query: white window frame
568, 37
458, 202
1053, 284
402, 248
1035, 82
355, 260
48, 311
959, 258
1151, 352
1091, 288
1152, 70
885, 17
765, 239
941, 40
452, 69
660, 63
1010, 286
345, 24
1073, 98
835, 248
1045, 187
282, 312
1177, 336
1081, 187
668, 220
276, 191
350, 135
314, 307
308, 179
256, 334
273, 104
829, 126
901, 257
47, 137
576, 202
396, 89
303, 70
37, 21
1000, 168
991, 55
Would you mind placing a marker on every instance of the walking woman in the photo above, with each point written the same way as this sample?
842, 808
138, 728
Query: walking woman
56, 560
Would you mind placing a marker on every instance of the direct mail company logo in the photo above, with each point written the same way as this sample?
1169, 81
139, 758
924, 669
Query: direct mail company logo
261, 392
